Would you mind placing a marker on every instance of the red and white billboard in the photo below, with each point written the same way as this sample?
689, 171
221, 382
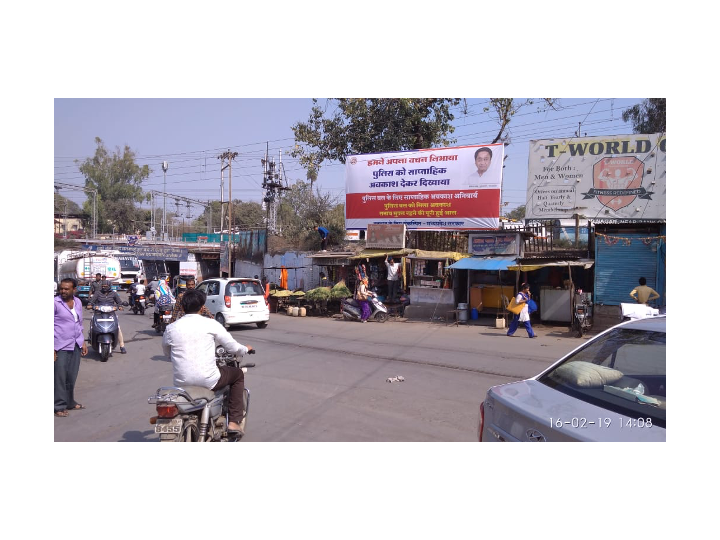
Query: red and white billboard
437, 188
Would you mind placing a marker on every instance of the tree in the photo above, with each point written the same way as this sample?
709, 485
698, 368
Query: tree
60, 202
117, 179
506, 108
245, 215
301, 210
647, 117
518, 214
367, 125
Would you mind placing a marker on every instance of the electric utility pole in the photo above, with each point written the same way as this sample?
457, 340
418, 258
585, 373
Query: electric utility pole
229, 156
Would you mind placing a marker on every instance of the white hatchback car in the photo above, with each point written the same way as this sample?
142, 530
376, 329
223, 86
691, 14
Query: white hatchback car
236, 301
611, 388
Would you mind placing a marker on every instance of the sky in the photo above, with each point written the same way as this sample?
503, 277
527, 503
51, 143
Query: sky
190, 133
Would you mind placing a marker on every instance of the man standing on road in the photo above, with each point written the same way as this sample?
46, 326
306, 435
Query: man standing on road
190, 343
642, 293
178, 310
393, 278
69, 346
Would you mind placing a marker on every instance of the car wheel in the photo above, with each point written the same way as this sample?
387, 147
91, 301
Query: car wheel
262, 324
219, 318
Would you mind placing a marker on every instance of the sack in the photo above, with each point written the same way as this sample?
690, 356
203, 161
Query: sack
514, 307
532, 306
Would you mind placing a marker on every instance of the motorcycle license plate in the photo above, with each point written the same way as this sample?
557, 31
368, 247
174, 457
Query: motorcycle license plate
168, 426
166, 317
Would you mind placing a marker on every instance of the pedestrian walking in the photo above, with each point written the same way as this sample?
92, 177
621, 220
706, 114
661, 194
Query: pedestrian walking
523, 317
69, 346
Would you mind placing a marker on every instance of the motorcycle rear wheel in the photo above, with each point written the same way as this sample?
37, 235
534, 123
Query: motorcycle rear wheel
381, 317
134, 310
190, 432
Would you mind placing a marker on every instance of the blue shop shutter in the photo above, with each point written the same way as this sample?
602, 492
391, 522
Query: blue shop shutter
618, 268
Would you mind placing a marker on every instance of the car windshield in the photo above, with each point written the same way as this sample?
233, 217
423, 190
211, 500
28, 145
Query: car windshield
623, 371
244, 288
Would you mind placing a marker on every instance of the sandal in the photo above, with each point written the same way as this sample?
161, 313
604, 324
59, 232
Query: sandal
77, 407
61, 413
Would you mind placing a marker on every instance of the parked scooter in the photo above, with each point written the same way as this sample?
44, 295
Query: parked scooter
139, 305
164, 315
196, 414
351, 310
104, 330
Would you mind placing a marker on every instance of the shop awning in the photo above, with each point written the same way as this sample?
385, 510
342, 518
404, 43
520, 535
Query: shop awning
371, 253
537, 265
483, 263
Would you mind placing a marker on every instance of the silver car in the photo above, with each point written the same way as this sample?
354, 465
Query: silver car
611, 388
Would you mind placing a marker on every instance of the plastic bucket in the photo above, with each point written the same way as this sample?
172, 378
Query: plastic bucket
295, 311
463, 315
474, 314
301, 312
499, 323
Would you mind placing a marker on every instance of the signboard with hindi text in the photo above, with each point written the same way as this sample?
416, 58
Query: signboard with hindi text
439, 188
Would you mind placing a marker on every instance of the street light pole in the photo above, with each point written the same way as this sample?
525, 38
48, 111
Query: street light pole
164, 223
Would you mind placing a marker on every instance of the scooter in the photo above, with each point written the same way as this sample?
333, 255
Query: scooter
104, 330
139, 304
351, 310
164, 315
196, 414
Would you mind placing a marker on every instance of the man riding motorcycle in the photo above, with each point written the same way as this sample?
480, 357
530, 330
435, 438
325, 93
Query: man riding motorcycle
190, 343
107, 297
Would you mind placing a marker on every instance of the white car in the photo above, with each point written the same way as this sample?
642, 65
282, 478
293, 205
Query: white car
611, 388
236, 301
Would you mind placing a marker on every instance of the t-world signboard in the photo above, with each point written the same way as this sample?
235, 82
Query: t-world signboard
618, 177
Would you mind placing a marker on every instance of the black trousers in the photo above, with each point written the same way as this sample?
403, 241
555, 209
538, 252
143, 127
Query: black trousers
236, 379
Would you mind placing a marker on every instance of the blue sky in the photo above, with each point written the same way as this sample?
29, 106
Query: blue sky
190, 133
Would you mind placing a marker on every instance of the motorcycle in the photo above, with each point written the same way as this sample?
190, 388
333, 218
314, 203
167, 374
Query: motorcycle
164, 315
104, 330
351, 310
582, 313
139, 304
196, 414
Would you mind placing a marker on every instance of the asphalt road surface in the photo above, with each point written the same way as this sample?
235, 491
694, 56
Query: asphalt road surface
324, 379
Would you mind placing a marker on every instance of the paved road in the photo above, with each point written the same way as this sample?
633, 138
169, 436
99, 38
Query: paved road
324, 379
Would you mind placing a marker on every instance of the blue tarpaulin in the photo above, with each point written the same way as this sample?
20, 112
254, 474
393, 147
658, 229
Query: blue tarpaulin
483, 263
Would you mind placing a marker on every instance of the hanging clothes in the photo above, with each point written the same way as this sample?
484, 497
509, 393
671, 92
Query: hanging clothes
283, 277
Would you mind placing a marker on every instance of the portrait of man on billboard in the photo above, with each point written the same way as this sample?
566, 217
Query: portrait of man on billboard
483, 175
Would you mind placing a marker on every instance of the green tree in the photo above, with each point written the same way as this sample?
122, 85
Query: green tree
503, 110
517, 214
117, 179
367, 125
59, 205
647, 117
245, 214
301, 210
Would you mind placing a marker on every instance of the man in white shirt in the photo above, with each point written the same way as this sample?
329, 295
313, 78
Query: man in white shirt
190, 343
393, 278
479, 178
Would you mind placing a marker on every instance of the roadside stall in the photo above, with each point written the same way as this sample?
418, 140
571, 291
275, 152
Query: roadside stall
432, 291
489, 283
372, 263
554, 285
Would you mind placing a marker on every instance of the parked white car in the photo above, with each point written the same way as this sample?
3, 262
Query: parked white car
612, 388
236, 301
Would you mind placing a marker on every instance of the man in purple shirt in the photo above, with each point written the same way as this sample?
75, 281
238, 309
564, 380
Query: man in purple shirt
69, 345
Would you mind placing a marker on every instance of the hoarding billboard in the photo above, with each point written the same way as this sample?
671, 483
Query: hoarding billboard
438, 188
385, 236
482, 244
614, 177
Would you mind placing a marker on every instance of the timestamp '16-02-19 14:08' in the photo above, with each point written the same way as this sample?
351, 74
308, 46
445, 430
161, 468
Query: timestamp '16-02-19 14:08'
605, 422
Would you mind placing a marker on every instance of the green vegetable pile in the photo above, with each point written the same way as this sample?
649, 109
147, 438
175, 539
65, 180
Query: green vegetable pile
340, 290
320, 293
